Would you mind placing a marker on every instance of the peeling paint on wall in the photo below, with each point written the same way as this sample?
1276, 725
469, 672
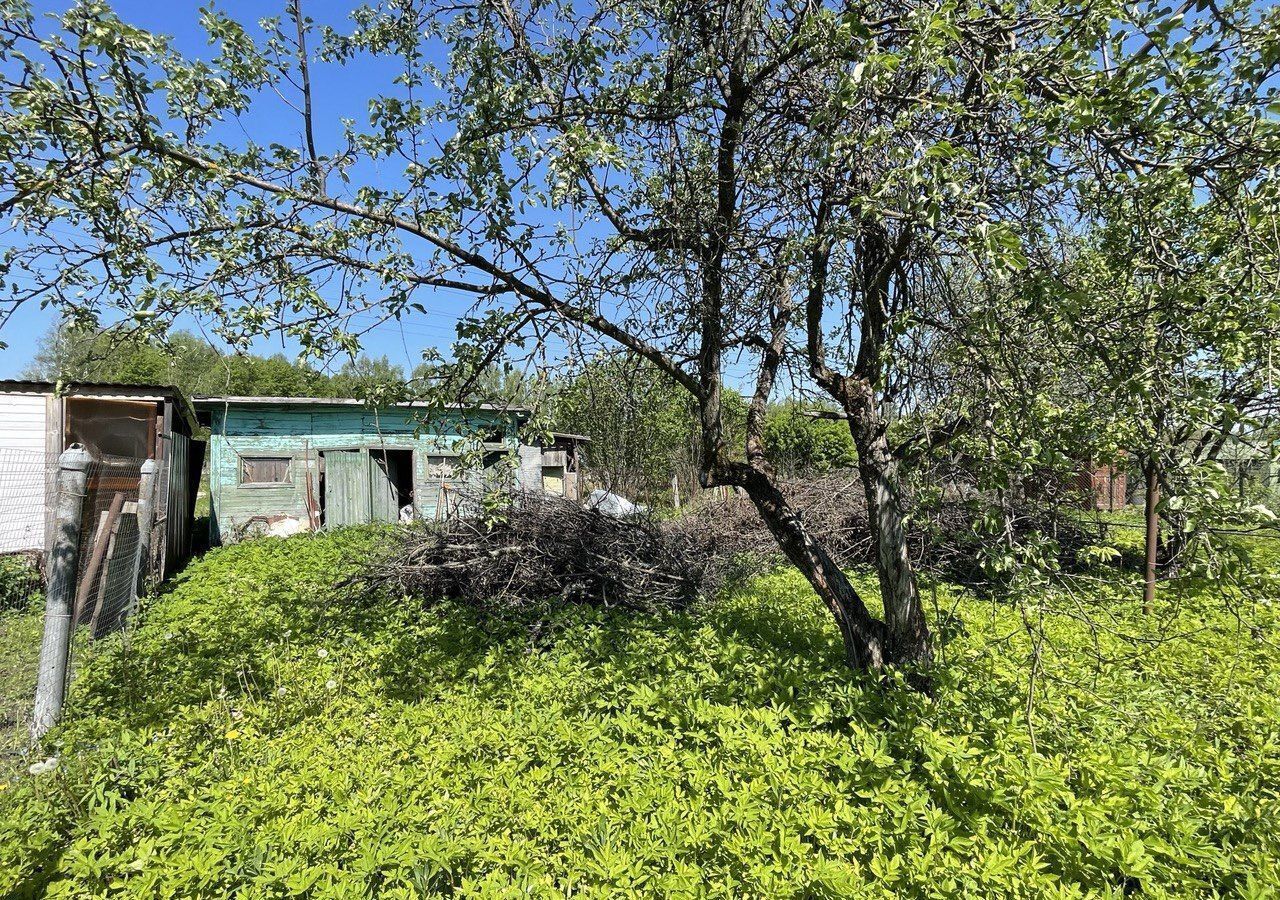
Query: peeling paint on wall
304, 434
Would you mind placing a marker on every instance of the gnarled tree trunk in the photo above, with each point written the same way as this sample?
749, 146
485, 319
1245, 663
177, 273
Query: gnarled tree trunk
907, 633
862, 633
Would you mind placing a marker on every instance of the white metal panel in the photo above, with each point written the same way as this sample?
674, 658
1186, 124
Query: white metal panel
23, 464
529, 477
22, 421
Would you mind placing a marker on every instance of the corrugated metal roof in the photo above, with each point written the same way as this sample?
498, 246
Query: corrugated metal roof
103, 390
82, 388
209, 402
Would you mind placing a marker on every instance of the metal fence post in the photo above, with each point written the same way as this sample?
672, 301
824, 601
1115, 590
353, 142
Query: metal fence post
73, 475
146, 509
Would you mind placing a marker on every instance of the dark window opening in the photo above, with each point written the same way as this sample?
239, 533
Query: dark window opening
392, 483
111, 427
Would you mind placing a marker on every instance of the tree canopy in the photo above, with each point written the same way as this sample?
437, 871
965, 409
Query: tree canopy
836, 194
189, 362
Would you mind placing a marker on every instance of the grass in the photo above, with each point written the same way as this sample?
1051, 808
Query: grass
265, 737
20, 631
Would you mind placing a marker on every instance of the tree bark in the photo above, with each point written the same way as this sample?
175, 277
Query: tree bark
863, 635
1153, 535
907, 633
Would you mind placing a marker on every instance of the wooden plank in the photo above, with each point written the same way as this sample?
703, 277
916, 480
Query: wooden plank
112, 543
346, 488
90, 577
176, 509
118, 582
384, 505
311, 475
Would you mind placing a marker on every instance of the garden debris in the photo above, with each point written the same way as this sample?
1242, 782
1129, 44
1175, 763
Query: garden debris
539, 548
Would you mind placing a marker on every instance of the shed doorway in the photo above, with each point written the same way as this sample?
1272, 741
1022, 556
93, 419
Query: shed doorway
362, 486
390, 483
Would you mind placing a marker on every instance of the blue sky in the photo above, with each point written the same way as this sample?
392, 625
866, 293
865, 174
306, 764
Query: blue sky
336, 93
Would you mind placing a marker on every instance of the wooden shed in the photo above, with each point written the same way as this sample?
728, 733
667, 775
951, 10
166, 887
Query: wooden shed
555, 465
120, 425
1102, 486
280, 465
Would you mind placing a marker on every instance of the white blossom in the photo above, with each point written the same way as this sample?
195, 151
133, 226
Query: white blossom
43, 766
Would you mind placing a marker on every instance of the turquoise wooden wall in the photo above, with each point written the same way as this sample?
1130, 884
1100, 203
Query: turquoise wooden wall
302, 432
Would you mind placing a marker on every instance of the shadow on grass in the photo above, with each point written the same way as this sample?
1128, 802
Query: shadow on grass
234, 618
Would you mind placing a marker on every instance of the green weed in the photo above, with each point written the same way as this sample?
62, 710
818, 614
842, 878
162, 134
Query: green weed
263, 737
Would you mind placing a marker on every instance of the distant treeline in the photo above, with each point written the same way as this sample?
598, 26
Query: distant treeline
188, 362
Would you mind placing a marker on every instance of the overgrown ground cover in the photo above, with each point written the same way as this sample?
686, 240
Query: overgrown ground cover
264, 737
20, 630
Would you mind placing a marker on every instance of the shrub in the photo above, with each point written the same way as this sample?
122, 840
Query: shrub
260, 739
20, 581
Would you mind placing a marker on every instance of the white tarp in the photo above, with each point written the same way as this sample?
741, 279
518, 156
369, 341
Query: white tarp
616, 507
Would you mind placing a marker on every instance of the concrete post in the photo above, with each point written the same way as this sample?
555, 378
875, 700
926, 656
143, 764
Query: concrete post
51, 681
146, 512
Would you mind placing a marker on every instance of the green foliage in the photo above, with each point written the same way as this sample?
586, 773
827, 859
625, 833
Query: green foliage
643, 426
19, 582
500, 384
266, 736
189, 362
797, 442
20, 631
790, 190
372, 378
181, 359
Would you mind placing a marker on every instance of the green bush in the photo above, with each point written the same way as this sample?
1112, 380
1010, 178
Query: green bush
798, 442
264, 737
19, 582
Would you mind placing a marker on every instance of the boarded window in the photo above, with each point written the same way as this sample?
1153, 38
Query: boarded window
440, 468
441, 492
265, 469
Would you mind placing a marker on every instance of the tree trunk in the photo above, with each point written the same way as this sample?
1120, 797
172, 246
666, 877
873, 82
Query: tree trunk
862, 633
1153, 535
907, 632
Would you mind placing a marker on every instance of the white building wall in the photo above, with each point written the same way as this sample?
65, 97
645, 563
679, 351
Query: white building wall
23, 468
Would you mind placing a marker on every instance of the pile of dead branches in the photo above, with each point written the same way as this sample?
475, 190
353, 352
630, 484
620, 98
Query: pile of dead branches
540, 548
834, 509
941, 536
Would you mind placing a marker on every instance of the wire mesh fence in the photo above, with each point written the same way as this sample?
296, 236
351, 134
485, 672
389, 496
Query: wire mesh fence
110, 540
112, 511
